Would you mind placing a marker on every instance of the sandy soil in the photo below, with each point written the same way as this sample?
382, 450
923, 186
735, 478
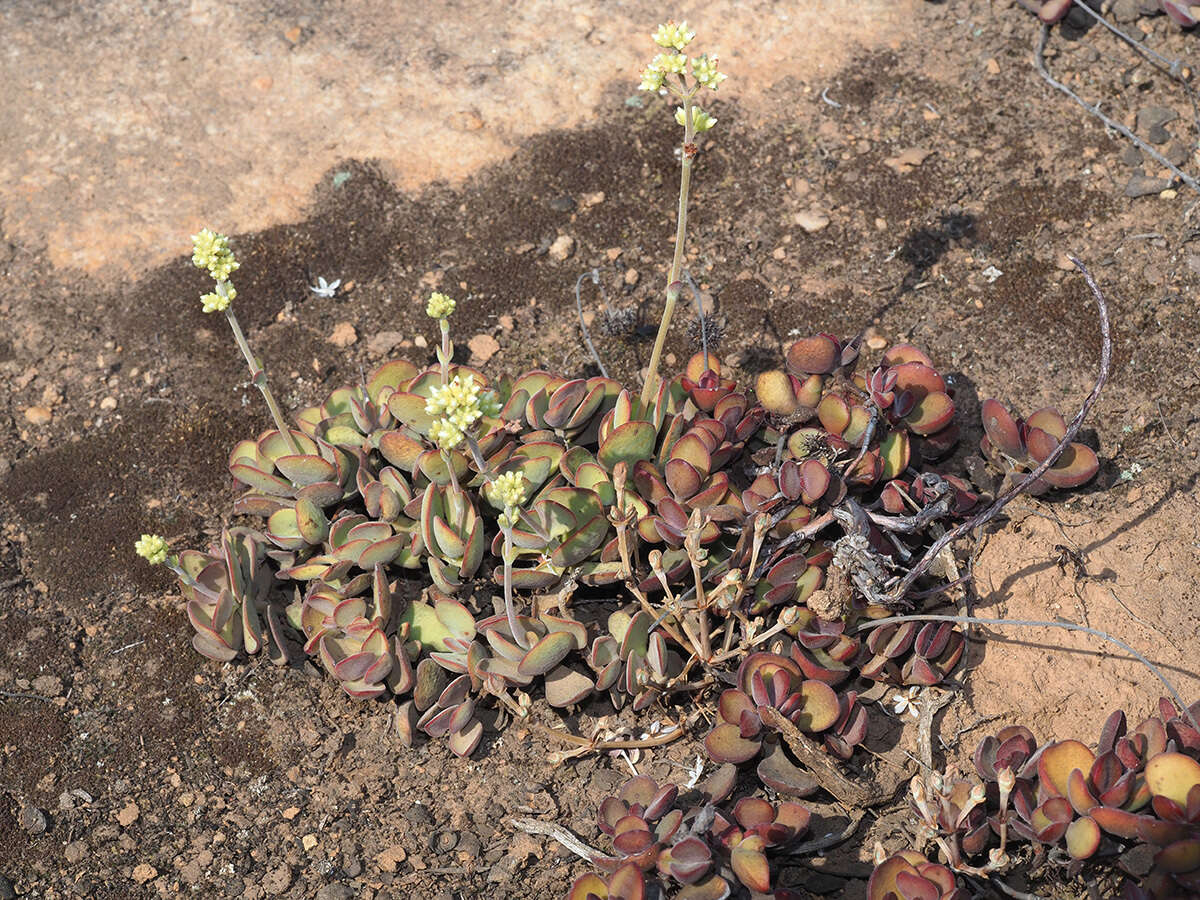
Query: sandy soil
355, 142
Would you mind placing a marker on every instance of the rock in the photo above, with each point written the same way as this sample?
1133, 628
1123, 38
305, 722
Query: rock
1143, 185
38, 415
108, 404
390, 858
144, 872
75, 851
631, 277
129, 814
335, 891
506, 322
1131, 156
1126, 11
483, 347
562, 248
343, 335
1177, 153
592, 199
420, 341
383, 342
993, 67
278, 880
907, 160
812, 220
1150, 121
561, 203
308, 842
31, 819
48, 685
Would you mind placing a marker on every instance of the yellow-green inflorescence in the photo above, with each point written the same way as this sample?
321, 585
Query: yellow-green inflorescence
673, 38
701, 121
509, 490
456, 406
152, 548
211, 251
439, 306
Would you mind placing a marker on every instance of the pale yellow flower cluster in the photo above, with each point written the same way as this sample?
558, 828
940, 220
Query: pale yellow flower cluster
211, 251
152, 548
456, 406
509, 489
701, 121
439, 306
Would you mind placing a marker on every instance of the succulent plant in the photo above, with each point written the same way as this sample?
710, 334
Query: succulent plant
700, 850
1073, 804
813, 706
908, 875
1016, 446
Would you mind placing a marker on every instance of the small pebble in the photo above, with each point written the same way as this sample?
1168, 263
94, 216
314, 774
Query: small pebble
129, 814
811, 221
343, 335
38, 415
143, 872
483, 347
631, 277
1144, 185
562, 248
108, 404
32, 819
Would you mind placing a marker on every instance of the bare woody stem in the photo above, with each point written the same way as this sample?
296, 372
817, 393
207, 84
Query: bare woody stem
673, 285
259, 378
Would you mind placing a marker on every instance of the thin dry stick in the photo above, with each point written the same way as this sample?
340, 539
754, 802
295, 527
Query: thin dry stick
992, 511
580, 741
828, 840
1040, 62
1031, 623
587, 338
560, 834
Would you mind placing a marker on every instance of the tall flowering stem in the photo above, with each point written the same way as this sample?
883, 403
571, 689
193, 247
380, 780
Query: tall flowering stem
668, 71
211, 251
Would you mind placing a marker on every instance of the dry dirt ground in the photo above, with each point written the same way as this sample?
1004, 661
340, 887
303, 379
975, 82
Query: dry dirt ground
407, 146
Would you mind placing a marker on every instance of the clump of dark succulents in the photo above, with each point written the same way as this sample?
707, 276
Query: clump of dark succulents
697, 851
1072, 805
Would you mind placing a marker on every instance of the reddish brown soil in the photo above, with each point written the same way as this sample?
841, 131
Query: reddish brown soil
196, 779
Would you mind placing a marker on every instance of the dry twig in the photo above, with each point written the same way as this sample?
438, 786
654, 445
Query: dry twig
897, 594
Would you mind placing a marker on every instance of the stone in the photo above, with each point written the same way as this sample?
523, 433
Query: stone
811, 221
75, 851
483, 347
48, 685
278, 880
144, 872
1151, 121
1144, 185
631, 277
1131, 156
562, 248
383, 342
335, 891
907, 160
108, 404
343, 335
390, 858
1126, 11
31, 819
38, 415
129, 814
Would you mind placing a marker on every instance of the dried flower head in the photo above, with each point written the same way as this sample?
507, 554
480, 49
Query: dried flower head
211, 251
152, 548
439, 306
671, 35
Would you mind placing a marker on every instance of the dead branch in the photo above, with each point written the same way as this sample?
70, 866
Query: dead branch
896, 596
